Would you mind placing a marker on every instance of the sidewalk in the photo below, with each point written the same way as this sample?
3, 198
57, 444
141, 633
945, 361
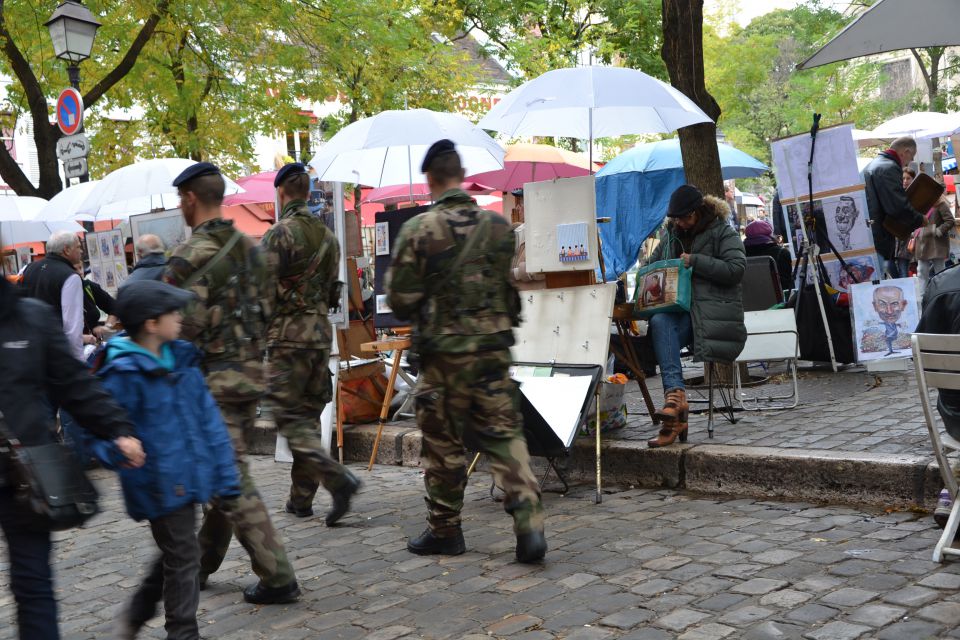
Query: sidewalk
644, 565
854, 438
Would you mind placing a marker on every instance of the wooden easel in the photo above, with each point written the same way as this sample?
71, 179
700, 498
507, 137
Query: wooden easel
397, 344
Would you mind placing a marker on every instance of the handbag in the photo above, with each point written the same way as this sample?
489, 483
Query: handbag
665, 286
49, 483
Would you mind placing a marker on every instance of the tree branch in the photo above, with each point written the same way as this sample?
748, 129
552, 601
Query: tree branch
130, 58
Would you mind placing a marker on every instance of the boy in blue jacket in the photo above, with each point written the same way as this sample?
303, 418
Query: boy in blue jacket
190, 460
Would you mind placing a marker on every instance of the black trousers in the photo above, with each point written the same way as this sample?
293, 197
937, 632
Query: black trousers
31, 578
174, 576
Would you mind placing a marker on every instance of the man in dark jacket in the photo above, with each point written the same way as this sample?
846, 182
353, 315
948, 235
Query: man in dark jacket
887, 199
151, 259
55, 281
39, 364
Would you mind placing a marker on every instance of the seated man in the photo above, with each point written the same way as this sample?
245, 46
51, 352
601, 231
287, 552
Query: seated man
941, 314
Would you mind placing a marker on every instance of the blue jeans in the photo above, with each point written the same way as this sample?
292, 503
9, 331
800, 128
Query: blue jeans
670, 332
31, 579
891, 267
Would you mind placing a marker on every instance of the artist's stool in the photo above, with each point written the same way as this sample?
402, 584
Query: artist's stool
396, 344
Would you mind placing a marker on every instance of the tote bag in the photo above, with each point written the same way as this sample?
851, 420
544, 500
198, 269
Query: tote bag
663, 286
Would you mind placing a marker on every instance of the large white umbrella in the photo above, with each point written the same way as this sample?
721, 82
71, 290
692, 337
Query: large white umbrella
64, 205
18, 223
892, 25
139, 188
920, 124
388, 148
592, 102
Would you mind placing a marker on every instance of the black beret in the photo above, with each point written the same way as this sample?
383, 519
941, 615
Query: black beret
142, 300
292, 169
437, 149
195, 171
684, 200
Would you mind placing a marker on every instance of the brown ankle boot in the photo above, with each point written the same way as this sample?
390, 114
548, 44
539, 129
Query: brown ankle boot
670, 430
675, 406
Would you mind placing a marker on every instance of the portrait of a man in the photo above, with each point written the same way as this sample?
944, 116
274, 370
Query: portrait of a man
887, 328
845, 216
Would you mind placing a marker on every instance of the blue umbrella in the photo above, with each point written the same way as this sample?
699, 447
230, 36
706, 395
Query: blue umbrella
663, 155
634, 188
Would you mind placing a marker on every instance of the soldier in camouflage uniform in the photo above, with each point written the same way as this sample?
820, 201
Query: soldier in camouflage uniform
450, 277
233, 286
299, 336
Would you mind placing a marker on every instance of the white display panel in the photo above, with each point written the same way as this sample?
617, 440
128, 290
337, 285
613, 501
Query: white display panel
549, 207
566, 326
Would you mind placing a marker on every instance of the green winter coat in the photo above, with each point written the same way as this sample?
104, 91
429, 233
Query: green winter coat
718, 261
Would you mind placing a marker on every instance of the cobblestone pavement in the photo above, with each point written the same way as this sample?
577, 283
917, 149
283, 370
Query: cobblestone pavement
846, 411
653, 565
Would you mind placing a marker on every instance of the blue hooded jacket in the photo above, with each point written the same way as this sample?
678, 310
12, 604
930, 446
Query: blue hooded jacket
189, 455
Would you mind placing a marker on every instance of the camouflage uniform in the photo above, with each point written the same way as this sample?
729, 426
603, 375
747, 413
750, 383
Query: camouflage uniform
463, 318
299, 337
226, 323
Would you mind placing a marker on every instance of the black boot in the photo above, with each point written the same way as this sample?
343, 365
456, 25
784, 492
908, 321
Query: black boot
341, 498
427, 544
259, 594
531, 547
300, 513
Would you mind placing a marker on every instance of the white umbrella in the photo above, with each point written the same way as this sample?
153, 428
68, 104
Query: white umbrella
592, 102
18, 224
139, 188
920, 124
64, 205
388, 148
892, 25
866, 138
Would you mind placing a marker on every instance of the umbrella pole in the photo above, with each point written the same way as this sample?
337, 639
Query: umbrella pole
590, 140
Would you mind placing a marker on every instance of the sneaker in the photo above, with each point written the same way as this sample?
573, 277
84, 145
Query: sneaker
942, 512
427, 544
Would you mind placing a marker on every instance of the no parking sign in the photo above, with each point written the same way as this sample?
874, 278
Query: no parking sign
69, 111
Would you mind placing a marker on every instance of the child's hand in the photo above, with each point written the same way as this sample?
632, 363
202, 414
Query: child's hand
132, 451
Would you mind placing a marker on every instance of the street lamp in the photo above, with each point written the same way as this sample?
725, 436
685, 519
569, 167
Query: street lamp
72, 29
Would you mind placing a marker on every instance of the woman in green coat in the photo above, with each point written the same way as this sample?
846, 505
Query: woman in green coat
697, 232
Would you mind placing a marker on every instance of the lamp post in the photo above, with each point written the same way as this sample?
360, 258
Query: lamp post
72, 29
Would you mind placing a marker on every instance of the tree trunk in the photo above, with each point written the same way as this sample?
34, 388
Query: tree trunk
682, 53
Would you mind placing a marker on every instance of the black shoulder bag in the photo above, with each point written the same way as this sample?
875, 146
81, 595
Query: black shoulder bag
49, 483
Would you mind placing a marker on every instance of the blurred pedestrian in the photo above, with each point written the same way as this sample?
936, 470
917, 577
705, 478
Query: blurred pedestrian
191, 460
933, 241
451, 278
230, 277
55, 281
903, 251
151, 259
38, 364
299, 337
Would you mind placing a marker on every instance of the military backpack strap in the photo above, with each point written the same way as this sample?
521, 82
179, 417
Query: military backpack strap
212, 262
468, 248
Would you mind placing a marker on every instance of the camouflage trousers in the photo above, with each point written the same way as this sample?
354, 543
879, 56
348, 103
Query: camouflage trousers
300, 387
470, 397
246, 516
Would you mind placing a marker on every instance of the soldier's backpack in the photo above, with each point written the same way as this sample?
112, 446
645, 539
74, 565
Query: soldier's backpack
310, 290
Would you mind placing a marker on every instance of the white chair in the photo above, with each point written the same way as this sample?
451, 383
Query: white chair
936, 359
771, 337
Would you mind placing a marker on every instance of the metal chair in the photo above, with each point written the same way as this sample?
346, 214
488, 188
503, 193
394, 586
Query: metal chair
771, 337
936, 359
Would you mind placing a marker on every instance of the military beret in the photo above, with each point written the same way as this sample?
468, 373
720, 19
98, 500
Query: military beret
292, 169
195, 171
142, 300
437, 149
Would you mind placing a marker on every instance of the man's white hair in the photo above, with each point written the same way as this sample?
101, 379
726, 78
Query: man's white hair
60, 241
148, 244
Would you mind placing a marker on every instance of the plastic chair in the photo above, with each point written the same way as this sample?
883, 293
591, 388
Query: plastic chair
936, 359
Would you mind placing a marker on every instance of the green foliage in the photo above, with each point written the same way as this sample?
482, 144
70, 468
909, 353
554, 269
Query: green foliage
752, 73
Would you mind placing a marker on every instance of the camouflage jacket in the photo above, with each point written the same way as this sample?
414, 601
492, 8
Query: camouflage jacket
464, 310
307, 258
227, 320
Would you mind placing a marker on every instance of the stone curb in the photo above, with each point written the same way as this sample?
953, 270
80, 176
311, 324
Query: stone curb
836, 477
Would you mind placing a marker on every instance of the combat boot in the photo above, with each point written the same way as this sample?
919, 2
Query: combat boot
427, 544
531, 547
306, 512
259, 594
341, 498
